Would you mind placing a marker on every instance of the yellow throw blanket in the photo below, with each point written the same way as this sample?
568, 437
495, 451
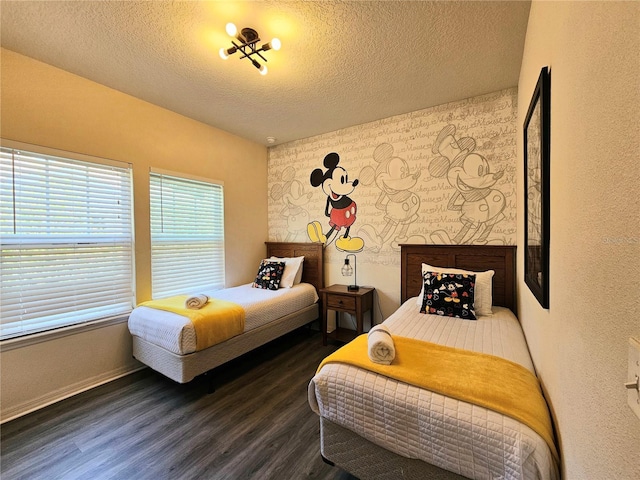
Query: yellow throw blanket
485, 380
214, 323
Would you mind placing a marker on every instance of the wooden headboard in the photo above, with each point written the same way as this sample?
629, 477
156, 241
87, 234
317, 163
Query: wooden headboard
477, 258
313, 266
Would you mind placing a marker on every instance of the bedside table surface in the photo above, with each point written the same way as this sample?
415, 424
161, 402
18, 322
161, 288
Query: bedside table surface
342, 289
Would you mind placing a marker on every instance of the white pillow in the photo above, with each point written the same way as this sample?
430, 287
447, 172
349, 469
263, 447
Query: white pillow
292, 270
298, 278
484, 289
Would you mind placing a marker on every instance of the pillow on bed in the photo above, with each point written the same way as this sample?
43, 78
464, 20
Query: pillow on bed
483, 290
298, 278
449, 295
292, 270
269, 275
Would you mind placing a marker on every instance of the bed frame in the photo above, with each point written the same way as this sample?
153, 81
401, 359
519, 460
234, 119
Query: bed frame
366, 460
184, 368
477, 258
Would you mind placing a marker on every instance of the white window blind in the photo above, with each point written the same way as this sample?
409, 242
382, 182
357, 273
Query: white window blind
67, 241
187, 235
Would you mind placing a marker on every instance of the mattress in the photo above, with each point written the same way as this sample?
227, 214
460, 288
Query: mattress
176, 334
457, 436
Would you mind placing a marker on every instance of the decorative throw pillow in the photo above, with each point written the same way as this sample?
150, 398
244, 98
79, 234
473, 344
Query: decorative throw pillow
449, 295
483, 290
269, 275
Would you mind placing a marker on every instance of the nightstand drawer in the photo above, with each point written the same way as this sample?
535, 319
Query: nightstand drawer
339, 301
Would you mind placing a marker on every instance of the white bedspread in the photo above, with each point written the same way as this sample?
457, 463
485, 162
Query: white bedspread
466, 439
175, 332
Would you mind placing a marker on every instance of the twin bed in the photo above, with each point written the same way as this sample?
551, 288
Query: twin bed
375, 426
166, 341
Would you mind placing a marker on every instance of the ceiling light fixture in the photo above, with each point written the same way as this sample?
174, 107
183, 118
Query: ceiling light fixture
248, 38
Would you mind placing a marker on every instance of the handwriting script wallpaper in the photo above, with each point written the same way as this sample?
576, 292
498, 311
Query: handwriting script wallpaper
443, 175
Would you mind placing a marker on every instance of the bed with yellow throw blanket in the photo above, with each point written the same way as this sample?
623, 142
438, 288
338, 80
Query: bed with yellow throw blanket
185, 336
459, 400
214, 322
460, 374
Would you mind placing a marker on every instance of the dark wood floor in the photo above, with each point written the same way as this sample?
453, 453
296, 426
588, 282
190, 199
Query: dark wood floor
257, 424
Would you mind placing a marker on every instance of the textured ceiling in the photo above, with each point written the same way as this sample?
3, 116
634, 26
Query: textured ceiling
342, 63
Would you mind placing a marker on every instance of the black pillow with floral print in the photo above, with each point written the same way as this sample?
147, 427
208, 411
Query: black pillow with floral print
449, 295
269, 275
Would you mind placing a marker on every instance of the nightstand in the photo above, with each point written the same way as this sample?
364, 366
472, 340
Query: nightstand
340, 299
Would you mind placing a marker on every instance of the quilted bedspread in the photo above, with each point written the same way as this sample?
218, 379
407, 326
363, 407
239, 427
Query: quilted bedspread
176, 334
469, 440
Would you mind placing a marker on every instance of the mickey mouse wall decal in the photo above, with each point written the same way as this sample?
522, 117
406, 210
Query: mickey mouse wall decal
480, 204
340, 208
397, 199
294, 197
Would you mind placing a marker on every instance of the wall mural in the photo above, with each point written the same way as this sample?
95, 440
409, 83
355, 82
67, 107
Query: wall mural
396, 200
440, 175
340, 208
292, 194
479, 203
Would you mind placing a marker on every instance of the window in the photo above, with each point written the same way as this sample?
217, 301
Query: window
187, 234
67, 242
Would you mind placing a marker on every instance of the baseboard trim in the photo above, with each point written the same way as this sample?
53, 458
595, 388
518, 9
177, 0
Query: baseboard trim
66, 392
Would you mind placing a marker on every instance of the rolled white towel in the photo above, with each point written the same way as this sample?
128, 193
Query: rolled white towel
381, 347
196, 302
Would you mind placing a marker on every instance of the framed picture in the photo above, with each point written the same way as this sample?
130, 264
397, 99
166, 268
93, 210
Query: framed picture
536, 187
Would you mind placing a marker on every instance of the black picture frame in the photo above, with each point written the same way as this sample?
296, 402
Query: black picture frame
536, 189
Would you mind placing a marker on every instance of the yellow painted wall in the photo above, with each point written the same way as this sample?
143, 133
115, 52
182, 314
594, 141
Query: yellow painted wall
579, 345
46, 106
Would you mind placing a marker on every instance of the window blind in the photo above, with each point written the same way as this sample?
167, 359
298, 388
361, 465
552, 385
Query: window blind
67, 241
187, 235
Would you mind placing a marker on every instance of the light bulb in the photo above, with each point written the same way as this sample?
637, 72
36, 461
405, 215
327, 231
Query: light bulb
262, 68
231, 29
346, 271
273, 44
225, 52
